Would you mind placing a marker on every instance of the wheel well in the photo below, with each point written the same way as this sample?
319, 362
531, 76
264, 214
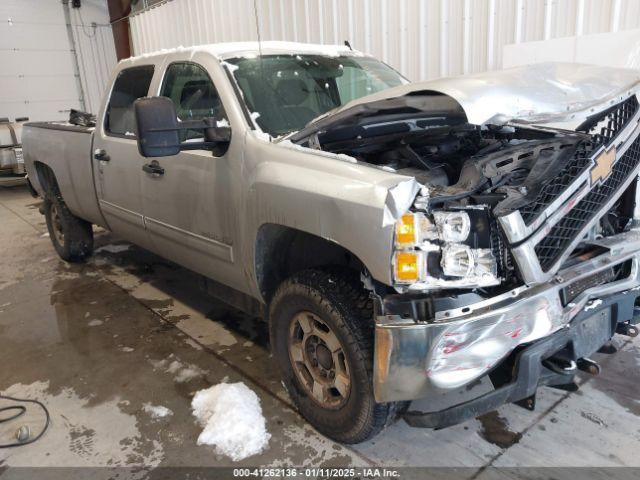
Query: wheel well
47, 178
282, 251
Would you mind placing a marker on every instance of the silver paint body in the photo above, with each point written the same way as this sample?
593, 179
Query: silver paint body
562, 94
205, 212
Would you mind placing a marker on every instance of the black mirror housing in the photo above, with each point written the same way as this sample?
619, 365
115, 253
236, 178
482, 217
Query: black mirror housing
157, 127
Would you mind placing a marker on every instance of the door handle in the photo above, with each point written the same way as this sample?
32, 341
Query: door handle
153, 168
101, 155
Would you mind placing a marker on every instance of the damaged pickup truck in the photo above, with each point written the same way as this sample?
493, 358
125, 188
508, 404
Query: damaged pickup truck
459, 242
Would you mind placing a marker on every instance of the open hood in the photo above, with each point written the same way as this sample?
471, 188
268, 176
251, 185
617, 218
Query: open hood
536, 94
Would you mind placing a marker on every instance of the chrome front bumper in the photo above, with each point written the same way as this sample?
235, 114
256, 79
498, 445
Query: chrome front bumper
415, 359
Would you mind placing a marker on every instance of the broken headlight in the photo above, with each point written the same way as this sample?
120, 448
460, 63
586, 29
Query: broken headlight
448, 249
453, 226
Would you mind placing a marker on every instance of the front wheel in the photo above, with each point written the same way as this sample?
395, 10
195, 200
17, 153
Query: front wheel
321, 326
71, 236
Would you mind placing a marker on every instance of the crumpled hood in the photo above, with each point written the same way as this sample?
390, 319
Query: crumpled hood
539, 93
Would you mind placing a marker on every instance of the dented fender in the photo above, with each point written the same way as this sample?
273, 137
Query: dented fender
331, 196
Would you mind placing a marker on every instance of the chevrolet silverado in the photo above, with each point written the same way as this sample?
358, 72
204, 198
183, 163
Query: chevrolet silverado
460, 242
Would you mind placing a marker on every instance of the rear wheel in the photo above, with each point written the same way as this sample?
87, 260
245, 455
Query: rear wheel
71, 236
321, 326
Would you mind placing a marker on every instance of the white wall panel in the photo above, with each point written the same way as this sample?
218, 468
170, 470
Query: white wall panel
37, 78
422, 38
614, 49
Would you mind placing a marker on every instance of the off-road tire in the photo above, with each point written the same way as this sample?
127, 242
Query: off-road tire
341, 302
77, 244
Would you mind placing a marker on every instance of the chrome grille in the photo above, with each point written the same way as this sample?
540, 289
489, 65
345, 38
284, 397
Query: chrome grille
606, 126
603, 128
580, 161
565, 231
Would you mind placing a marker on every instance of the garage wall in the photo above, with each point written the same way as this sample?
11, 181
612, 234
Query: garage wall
37, 74
422, 38
620, 49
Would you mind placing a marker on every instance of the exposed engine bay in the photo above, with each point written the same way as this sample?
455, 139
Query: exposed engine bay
473, 174
463, 164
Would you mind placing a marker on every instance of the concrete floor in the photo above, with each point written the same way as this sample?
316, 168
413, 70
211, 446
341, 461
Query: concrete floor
96, 342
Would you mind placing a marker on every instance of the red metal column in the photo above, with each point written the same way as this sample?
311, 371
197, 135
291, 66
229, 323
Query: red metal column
118, 12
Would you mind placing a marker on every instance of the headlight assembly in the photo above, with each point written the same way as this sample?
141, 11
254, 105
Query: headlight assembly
453, 226
476, 266
449, 249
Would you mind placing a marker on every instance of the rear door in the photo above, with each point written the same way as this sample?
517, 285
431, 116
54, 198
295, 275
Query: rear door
117, 163
187, 208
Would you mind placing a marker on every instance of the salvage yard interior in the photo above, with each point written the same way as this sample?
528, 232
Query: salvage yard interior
319, 239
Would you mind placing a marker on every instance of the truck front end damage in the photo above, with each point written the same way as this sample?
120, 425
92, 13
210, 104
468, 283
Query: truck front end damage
519, 256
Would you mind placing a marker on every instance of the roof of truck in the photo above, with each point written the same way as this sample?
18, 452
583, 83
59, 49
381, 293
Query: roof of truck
243, 49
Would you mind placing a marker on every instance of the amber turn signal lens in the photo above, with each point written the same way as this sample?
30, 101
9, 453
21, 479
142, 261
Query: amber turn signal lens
407, 267
406, 231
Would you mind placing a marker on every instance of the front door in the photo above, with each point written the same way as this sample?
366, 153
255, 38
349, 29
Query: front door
187, 199
116, 159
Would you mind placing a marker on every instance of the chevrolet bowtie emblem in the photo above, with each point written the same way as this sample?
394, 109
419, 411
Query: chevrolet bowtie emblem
603, 164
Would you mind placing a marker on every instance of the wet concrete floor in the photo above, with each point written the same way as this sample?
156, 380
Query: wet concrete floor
100, 341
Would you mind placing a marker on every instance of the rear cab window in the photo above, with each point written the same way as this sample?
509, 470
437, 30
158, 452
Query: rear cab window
130, 84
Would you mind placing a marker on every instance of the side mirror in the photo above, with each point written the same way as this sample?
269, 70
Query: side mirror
157, 127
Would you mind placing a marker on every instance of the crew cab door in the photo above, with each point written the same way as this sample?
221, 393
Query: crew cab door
117, 163
187, 199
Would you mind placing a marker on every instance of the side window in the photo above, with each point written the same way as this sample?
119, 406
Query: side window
193, 94
130, 85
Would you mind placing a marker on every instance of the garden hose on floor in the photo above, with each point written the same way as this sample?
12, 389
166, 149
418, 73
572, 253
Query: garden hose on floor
23, 434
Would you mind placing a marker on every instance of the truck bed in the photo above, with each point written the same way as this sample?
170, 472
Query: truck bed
66, 149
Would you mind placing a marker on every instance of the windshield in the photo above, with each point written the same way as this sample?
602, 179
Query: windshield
285, 92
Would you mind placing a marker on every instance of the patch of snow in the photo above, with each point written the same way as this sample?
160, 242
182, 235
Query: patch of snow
230, 66
114, 248
593, 304
156, 411
232, 420
252, 49
174, 367
126, 349
188, 373
44, 235
95, 323
183, 372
